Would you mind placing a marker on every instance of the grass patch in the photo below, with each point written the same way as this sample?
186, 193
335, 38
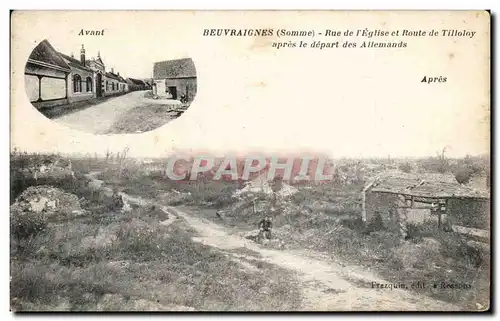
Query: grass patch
134, 181
446, 257
160, 265
108, 261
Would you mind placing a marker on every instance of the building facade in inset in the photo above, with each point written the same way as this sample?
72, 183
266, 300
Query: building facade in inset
53, 78
136, 84
46, 77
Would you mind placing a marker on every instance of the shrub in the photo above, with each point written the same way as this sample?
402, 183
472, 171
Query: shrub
375, 224
24, 225
455, 246
29, 283
356, 224
406, 167
299, 198
464, 174
413, 232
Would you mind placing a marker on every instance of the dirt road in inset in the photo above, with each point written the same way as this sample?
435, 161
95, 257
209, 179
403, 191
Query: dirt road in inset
98, 119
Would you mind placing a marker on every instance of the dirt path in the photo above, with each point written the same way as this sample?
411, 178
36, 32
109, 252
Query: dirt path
99, 118
326, 286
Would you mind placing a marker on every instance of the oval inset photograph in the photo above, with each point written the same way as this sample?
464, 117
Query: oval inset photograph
87, 93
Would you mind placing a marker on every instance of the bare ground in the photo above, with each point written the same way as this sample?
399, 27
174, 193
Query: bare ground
228, 272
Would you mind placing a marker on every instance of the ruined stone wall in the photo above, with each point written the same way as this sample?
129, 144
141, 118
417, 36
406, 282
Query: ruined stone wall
383, 204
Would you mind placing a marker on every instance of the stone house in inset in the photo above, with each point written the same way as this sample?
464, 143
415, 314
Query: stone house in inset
136, 84
175, 78
81, 78
114, 83
89, 78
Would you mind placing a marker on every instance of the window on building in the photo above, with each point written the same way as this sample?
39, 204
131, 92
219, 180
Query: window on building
77, 84
113, 86
32, 85
89, 84
107, 86
52, 88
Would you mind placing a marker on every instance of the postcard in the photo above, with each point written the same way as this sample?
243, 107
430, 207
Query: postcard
250, 161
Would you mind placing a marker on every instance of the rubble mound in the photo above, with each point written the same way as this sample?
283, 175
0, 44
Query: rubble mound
261, 186
47, 200
287, 191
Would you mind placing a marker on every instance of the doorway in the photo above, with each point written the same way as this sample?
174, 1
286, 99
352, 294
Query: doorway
173, 91
98, 85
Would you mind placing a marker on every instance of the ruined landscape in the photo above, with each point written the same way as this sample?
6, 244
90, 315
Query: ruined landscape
111, 233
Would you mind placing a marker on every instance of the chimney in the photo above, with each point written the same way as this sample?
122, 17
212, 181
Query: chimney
118, 73
112, 70
82, 56
72, 56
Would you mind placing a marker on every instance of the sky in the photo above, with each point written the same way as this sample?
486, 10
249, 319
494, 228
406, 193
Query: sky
128, 58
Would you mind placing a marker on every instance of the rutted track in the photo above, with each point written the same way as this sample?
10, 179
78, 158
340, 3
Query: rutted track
326, 285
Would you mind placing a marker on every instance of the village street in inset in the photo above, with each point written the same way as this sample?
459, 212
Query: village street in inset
119, 114
90, 96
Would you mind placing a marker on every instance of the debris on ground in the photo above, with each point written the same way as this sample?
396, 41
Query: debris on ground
45, 166
259, 185
174, 197
255, 236
50, 201
286, 191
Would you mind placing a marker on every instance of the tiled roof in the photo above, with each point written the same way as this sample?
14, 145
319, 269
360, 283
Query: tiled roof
45, 53
74, 62
424, 185
114, 76
136, 81
98, 61
178, 68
